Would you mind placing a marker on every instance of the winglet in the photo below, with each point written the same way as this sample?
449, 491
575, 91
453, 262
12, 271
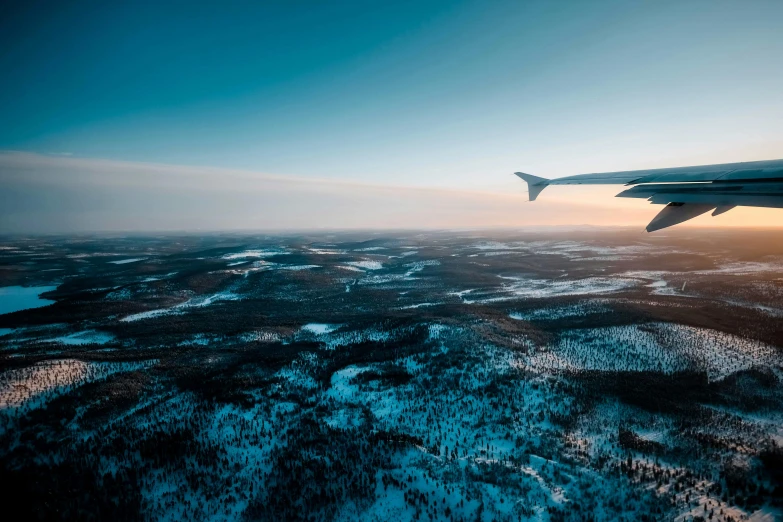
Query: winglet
534, 184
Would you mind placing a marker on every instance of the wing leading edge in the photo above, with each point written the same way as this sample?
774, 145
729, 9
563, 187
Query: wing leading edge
687, 192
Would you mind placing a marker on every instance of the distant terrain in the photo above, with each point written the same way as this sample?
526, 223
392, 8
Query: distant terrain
560, 375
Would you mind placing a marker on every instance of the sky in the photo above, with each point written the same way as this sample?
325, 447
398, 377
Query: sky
308, 114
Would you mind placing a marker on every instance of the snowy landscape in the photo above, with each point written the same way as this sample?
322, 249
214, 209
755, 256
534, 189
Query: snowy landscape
581, 375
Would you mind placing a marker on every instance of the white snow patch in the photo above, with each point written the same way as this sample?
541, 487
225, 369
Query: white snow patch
297, 267
182, 307
255, 253
659, 347
320, 328
351, 268
745, 267
80, 338
418, 266
342, 386
367, 265
325, 251
345, 418
260, 336
126, 261
495, 245
540, 288
420, 305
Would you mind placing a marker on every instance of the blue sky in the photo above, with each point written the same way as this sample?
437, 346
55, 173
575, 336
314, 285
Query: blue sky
455, 95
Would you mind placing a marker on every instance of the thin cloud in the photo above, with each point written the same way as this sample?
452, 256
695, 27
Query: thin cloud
42, 193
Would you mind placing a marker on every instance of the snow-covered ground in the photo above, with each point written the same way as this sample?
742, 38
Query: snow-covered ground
32, 386
255, 253
547, 313
126, 261
366, 264
196, 302
320, 328
83, 337
428, 379
657, 347
516, 287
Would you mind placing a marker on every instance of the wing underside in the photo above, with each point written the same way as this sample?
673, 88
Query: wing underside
687, 192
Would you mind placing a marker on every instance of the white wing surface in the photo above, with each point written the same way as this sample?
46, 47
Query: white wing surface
687, 191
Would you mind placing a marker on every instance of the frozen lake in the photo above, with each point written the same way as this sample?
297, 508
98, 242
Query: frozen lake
15, 298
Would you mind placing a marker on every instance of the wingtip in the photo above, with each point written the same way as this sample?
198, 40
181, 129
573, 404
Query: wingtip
535, 184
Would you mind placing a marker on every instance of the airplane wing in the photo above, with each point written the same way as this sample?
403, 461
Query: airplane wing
687, 192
